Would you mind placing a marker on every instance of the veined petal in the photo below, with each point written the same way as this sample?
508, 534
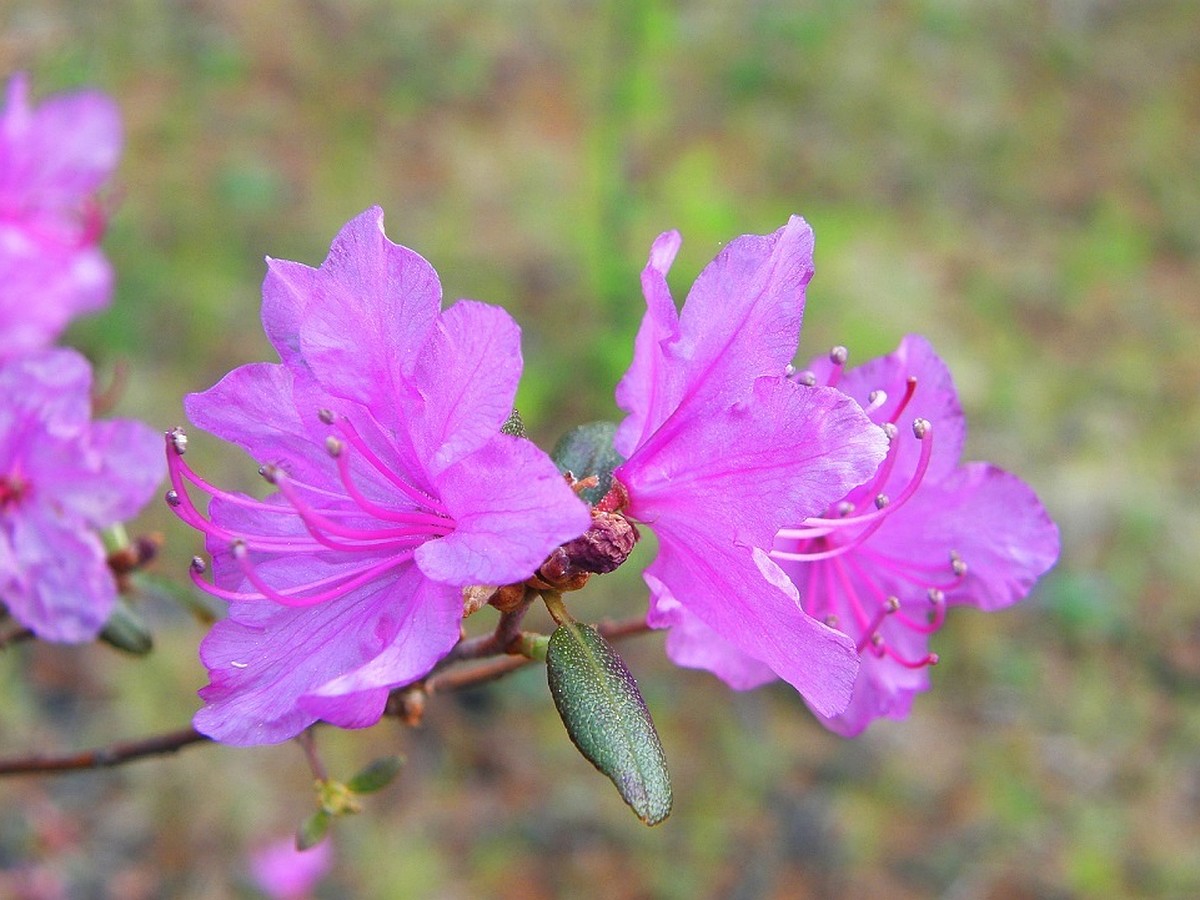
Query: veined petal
742, 317
649, 391
693, 645
62, 589
741, 595
757, 465
366, 322
935, 399
266, 660
467, 376
992, 519
511, 507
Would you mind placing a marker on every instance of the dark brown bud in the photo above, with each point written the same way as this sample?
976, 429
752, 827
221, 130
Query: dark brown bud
604, 546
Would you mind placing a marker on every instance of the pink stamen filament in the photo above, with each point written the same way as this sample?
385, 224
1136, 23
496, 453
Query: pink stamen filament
435, 522
875, 520
910, 388
292, 596
368, 539
345, 581
417, 496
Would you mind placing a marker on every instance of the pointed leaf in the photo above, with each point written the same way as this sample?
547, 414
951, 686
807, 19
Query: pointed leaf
313, 831
377, 775
605, 715
588, 450
126, 631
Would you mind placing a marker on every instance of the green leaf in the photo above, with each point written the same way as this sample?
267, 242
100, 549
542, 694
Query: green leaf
588, 450
313, 831
126, 631
605, 715
377, 775
513, 424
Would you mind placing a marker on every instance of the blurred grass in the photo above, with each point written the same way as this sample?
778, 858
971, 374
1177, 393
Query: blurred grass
1017, 181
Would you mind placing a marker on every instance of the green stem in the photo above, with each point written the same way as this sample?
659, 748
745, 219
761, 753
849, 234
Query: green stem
558, 610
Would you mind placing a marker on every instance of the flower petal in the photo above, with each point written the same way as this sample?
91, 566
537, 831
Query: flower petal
61, 587
369, 316
649, 390
995, 522
740, 594
266, 660
468, 374
511, 507
693, 645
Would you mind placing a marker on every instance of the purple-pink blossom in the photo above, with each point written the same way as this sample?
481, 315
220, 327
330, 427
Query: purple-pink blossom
926, 533
394, 489
722, 450
62, 477
53, 160
284, 873
884, 562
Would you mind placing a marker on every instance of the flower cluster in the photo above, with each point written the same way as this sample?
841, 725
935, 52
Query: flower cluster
799, 526
812, 526
63, 477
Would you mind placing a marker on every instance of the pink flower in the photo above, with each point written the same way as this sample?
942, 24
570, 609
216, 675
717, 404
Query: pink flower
395, 489
884, 562
61, 477
722, 450
53, 159
284, 873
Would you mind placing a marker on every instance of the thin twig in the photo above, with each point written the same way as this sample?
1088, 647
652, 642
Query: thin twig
104, 757
173, 741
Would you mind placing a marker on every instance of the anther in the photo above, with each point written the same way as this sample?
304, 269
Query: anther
892, 604
844, 508
238, 549
838, 355
881, 500
326, 416
789, 370
806, 378
936, 596
333, 446
957, 564
178, 440
831, 621
198, 565
172, 498
890, 431
269, 472
921, 427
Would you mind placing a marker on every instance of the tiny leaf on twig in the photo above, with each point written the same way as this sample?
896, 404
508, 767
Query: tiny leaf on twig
126, 631
587, 450
313, 831
605, 715
377, 775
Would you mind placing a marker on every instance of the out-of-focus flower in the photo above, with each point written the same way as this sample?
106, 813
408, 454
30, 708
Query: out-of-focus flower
722, 450
53, 159
884, 562
395, 489
62, 476
282, 872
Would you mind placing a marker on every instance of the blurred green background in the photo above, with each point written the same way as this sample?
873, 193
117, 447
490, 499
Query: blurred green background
1018, 181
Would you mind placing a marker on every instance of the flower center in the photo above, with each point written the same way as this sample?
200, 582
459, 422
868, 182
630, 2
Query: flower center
841, 577
13, 489
336, 524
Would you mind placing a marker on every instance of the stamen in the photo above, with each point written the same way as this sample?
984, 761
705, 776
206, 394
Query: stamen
910, 388
838, 356
417, 496
294, 597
